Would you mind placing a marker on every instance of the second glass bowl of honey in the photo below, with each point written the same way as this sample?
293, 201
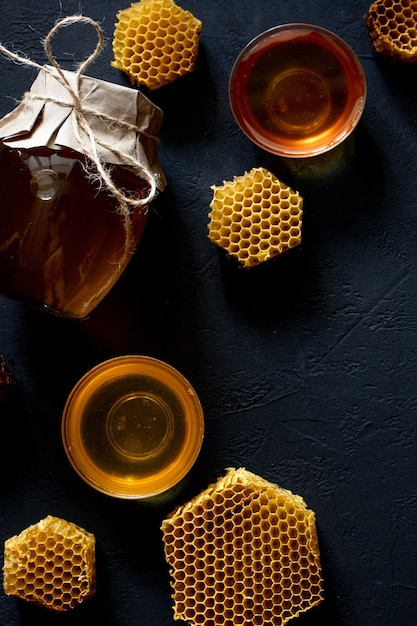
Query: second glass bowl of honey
133, 427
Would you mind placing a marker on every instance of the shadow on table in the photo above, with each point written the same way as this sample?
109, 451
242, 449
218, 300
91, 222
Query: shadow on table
342, 192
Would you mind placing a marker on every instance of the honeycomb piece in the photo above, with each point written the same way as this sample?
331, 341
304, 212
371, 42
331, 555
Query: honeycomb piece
244, 551
255, 217
392, 26
155, 42
51, 564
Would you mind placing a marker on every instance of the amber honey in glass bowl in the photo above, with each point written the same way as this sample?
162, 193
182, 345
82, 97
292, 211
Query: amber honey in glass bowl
133, 427
297, 90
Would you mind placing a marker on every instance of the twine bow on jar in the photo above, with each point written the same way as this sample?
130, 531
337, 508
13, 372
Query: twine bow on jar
71, 92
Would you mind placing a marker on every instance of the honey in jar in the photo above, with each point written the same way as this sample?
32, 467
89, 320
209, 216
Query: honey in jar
63, 240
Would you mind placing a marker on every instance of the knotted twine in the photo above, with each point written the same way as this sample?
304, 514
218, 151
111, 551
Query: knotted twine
96, 170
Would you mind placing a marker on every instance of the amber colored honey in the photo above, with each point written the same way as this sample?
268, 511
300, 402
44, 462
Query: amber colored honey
62, 241
297, 90
132, 427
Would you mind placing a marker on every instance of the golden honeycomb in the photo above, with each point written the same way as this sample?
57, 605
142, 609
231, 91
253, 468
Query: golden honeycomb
255, 217
392, 25
242, 552
51, 564
155, 42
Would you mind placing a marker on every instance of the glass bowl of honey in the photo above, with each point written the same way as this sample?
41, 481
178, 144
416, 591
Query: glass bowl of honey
297, 90
133, 427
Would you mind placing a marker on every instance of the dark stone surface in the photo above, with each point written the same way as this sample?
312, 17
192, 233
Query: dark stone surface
305, 368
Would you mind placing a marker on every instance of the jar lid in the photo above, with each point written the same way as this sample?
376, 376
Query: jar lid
132, 427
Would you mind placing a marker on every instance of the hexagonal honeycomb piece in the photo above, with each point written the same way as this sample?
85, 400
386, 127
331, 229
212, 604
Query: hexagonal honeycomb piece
244, 551
392, 26
255, 217
51, 564
155, 42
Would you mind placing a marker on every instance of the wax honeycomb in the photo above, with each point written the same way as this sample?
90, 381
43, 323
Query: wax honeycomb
255, 217
392, 25
155, 42
51, 564
243, 552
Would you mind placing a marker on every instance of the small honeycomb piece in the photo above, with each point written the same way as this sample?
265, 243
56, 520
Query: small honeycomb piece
51, 564
155, 42
392, 26
244, 551
255, 217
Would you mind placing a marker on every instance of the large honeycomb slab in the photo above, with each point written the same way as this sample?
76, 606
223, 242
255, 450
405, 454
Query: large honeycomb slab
255, 217
51, 564
243, 552
155, 42
392, 26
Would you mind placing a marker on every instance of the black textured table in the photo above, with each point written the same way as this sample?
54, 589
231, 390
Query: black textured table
305, 367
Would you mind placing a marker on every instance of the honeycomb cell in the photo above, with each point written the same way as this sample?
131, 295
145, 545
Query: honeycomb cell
262, 577
161, 37
392, 27
255, 217
51, 564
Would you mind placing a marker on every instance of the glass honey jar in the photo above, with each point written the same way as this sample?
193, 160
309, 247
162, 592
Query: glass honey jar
63, 240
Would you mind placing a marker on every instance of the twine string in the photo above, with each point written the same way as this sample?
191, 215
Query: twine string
96, 169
